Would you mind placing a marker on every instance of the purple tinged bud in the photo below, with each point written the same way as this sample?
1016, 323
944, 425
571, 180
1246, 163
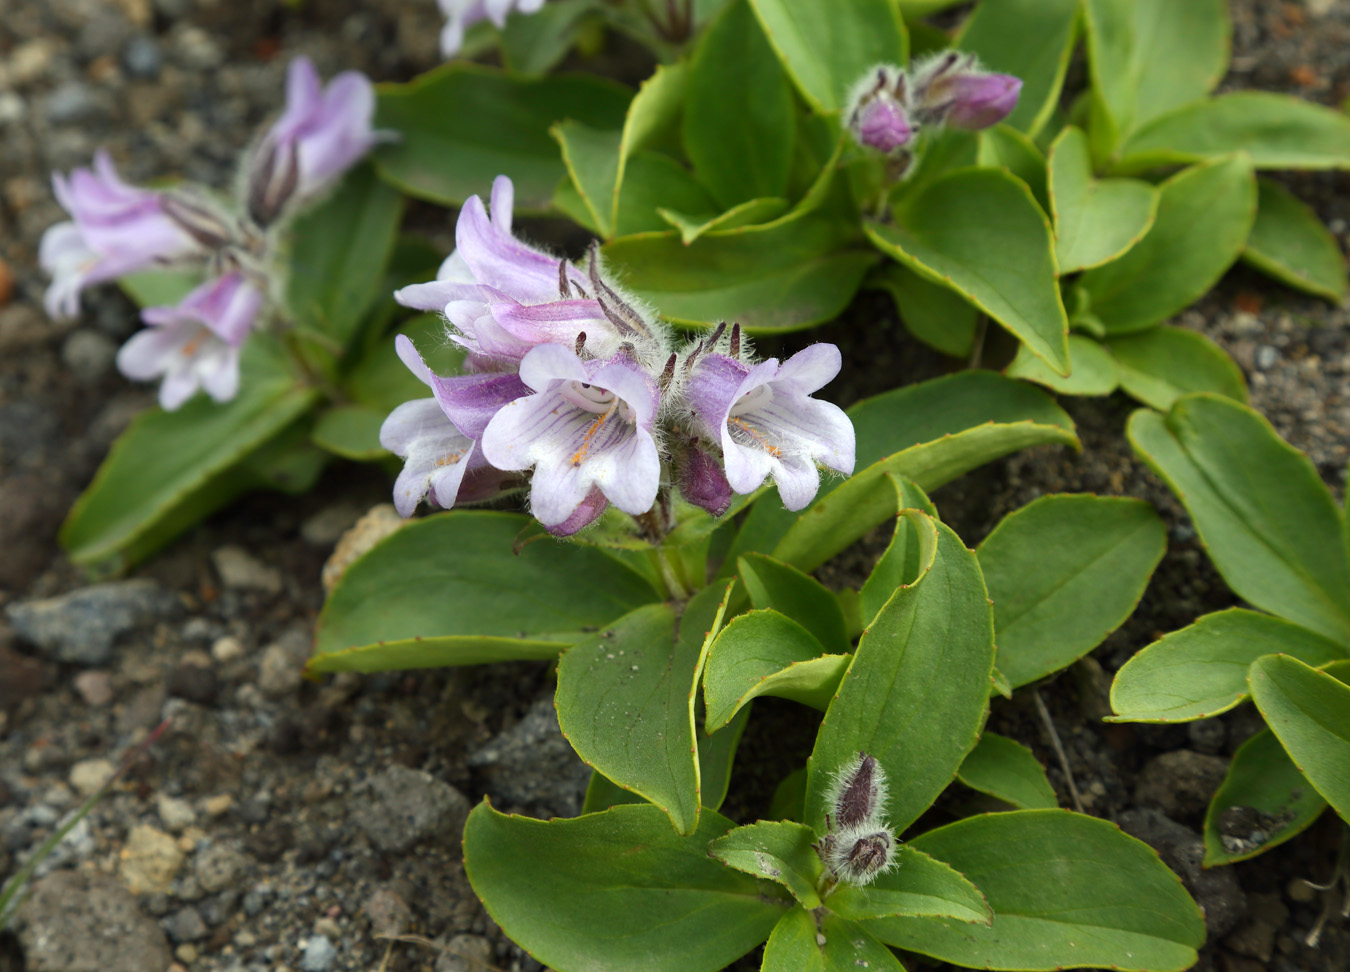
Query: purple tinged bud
981, 100
859, 794
860, 857
877, 115
702, 481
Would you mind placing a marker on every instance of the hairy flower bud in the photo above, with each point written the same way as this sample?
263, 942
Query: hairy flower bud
859, 794
857, 857
702, 481
273, 176
877, 116
950, 88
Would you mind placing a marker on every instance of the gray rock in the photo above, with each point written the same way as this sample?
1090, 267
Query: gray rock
319, 954
465, 953
218, 867
1207, 735
74, 102
1180, 783
88, 354
1216, 891
240, 570
142, 58
81, 627
531, 766
401, 807
1256, 935
185, 925
279, 670
86, 922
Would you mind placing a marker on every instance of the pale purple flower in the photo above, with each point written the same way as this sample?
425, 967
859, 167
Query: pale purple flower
196, 343
439, 459
877, 116
767, 423
322, 133
587, 426
115, 229
951, 89
463, 14
503, 297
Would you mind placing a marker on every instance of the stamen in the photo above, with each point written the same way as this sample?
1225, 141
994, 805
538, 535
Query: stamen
736, 340
668, 373
581, 343
629, 321
758, 436
564, 286
580, 454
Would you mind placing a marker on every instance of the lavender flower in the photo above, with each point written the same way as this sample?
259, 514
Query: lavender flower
767, 423
950, 88
440, 460
463, 14
195, 344
115, 229
322, 133
587, 427
877, 116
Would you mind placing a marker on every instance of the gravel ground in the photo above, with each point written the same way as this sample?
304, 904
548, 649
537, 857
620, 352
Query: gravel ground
281, 825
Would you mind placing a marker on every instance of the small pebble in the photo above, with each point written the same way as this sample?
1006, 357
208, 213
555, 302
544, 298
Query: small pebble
319, 954
196, 683
217, 805
1266, 356
1299, 890
94, 687
142, 58
88, 354
177, 814
186, 953
227, 649
88, 775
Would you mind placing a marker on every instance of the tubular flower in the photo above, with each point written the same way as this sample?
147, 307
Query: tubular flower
949, 88
323, 132
587, 426
196, 343
463, 14
115, 229
767, 423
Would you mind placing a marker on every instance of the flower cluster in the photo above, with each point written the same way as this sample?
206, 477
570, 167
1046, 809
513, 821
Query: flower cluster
890, 106
117, 229
570, 379
857, 845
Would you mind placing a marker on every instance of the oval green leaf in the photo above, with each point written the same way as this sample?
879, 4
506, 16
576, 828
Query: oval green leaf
1269, 523
802, 598
981, 232
1067, 891
616, 890
1091, 370
916, 885
779, 851
1205, 214
1290, 244
1064, 572
1004, 768
1096, 220
1201, 670
1161, 364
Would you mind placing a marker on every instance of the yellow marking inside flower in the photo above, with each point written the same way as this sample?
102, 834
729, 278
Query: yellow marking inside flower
580, 454
191, 347
451, 459
758, 436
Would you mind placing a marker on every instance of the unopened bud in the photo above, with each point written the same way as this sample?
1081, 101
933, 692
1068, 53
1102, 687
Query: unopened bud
273, 176
196, 219
859, 795
703, 482
860, 857
951, 89
877, 116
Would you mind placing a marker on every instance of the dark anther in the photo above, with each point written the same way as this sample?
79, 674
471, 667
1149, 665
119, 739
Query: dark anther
581, 343
668, 372
736, 340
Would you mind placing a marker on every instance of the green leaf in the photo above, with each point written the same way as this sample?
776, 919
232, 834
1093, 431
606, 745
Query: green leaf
351, 431
741, 147
1064, 572
849, 947
931, 433
1002, 146
653, 118
1264, 787
1161, 364
1290, 244
780, 276
1204, 216
934, 313
1278, 131
907, 558
766, 653
592, 160
1148, 56
1031, 39
159, 288
1309, 712
792, 946
1004, 768
462, 125
169, 470
917, 691
748, 213
804, 599
405, 604
654, 181
1268, 522
338, 254
1096, 220
1091, 369
625, 704
778, 851
826, 53
616, 890
980, 232
916, 885
789, 796
533, 43
1201, 670
1067, 891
